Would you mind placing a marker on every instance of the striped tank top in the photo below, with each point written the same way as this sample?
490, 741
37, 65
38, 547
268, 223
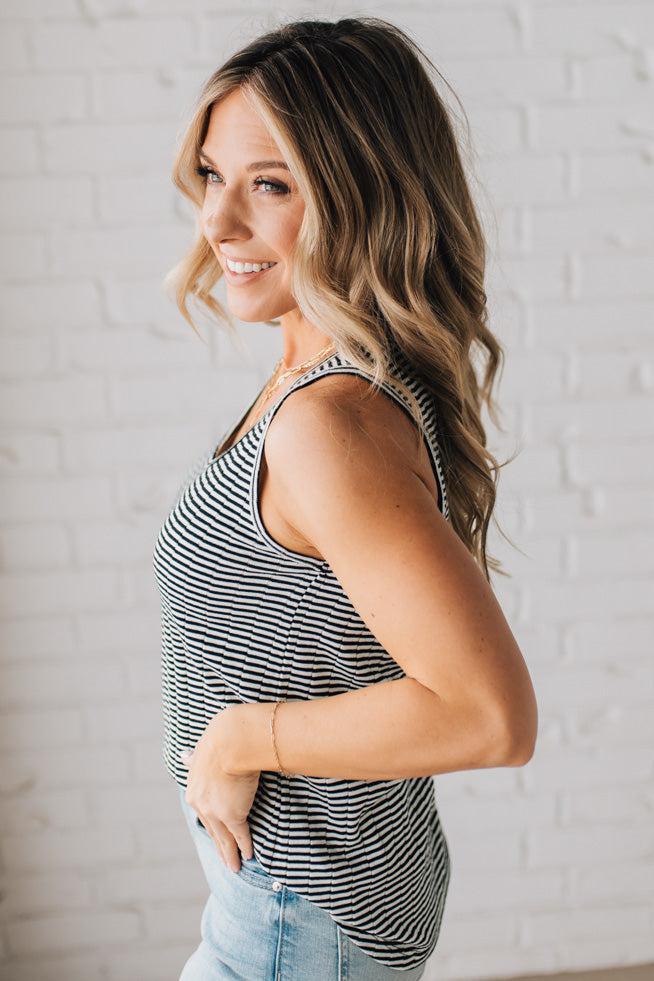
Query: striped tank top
244, 619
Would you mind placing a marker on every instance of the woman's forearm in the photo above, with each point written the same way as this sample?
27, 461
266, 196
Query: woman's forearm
386, 731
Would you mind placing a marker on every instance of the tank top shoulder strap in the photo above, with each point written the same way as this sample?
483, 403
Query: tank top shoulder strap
339, 364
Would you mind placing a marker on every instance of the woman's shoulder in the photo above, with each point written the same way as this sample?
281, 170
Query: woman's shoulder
342, 409
345, 470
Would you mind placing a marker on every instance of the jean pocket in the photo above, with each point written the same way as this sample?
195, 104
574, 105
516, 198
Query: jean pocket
254, 873
253, 865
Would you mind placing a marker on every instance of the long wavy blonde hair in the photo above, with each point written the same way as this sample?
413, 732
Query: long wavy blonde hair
390, 253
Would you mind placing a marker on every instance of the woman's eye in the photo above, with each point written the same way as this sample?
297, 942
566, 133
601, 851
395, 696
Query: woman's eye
204, 172
207, 172
278, 188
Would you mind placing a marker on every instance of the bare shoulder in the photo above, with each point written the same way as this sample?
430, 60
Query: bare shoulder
329, 449
341, 412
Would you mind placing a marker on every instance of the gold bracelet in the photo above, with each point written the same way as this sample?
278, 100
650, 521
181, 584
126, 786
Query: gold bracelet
272, 734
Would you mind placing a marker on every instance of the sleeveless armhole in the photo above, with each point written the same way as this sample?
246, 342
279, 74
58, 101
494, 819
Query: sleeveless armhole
399, 397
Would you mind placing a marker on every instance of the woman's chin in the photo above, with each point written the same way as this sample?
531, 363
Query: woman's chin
252, 310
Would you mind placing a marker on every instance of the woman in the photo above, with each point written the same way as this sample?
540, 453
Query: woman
330, 554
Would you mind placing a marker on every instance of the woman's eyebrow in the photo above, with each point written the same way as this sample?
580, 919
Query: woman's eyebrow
252, 166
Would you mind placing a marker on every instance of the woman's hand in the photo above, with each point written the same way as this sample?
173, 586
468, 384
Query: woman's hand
222, 800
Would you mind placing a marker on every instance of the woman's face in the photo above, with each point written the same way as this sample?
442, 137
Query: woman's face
250, 213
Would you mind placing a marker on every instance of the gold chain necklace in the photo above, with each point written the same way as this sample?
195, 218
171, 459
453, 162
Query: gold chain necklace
291, 371
273, 384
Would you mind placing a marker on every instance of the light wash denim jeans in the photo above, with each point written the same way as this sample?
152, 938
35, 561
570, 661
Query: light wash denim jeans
254, 928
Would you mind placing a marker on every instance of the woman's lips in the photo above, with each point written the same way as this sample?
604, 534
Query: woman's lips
243, 279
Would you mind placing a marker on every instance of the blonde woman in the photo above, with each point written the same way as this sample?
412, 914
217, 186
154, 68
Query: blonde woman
331, 640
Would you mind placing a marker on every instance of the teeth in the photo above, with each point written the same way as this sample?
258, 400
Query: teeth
241, 267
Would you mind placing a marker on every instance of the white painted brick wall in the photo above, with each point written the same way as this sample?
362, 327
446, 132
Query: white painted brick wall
107, 396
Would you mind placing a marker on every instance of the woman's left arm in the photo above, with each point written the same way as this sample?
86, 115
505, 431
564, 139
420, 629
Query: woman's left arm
467, 700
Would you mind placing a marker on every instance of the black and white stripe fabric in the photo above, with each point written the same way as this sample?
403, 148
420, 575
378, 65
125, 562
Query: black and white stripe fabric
245, 619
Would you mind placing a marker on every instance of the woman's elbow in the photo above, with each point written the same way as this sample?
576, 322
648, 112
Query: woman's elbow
521, 732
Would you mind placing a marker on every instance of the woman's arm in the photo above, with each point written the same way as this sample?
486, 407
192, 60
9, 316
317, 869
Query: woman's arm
386, 731
342, 474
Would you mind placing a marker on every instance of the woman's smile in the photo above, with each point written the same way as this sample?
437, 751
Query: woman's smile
244, 278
